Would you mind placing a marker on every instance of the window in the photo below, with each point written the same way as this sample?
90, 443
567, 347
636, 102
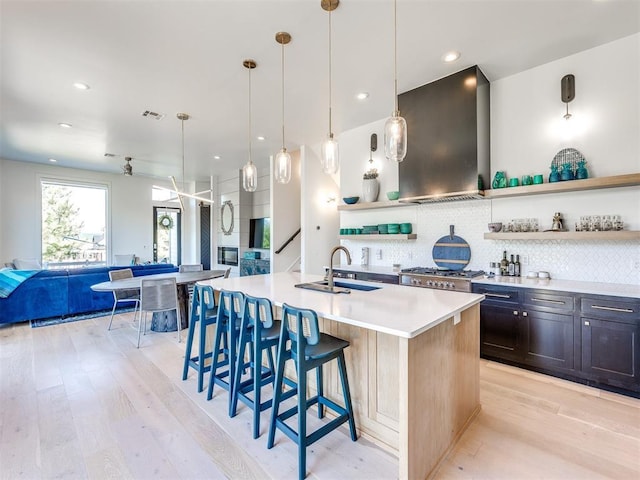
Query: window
74, 219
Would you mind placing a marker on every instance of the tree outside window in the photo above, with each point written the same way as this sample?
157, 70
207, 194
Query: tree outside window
73, 224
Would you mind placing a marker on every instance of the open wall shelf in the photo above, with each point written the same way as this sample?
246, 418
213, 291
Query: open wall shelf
612, 235
627, 180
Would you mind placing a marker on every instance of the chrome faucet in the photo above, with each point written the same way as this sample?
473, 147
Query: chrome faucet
330, 274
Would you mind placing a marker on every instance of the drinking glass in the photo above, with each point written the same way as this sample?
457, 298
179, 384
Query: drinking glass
596, 223
607, 223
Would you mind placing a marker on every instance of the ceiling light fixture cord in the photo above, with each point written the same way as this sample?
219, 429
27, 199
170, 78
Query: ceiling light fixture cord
395, 59
250, 115
182, 122
282, 58
330, 131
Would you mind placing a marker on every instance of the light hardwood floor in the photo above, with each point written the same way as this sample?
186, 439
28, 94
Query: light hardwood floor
78, 401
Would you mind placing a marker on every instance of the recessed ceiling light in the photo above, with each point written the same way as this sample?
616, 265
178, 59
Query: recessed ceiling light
216, 157
451, 56
260, 137
362, 96
65, 125
53, 160
81, 86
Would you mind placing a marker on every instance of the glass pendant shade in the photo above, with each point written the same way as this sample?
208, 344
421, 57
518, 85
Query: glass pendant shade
330, 155
249, 177
395, 138
283, 166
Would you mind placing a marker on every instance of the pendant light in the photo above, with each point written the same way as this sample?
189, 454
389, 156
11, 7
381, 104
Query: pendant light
283, 158
249, 171
182, 192
395, 128
330, 155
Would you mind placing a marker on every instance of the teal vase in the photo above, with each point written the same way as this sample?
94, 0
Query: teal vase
581, 172
554, 176
567, 172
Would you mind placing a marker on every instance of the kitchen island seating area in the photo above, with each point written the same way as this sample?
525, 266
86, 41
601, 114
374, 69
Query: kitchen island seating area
246, 333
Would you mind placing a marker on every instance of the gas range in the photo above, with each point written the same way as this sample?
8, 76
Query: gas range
455, 280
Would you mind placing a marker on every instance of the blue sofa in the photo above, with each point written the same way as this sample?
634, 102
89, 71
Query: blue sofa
62, 293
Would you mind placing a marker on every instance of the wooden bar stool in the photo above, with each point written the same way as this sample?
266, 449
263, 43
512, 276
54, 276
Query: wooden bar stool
230, 306
204, 312
309, 350
260, 333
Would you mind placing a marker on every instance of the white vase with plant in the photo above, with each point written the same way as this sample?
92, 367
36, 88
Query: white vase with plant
370, 186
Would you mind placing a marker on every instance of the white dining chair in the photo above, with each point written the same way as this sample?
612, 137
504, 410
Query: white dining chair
123, 296
158, 295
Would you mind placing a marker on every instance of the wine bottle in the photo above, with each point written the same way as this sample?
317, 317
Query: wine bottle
512, 267
517, 266
504, 264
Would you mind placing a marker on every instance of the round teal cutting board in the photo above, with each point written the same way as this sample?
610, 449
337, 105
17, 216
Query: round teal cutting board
451, 252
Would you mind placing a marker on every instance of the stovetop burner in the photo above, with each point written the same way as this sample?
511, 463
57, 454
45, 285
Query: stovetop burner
443, 273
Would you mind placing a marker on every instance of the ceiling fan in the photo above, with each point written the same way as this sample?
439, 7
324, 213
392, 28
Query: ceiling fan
127, 168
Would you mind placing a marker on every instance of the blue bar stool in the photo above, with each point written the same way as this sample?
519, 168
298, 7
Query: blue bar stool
230, 307
260, 333
204, 312
309, 350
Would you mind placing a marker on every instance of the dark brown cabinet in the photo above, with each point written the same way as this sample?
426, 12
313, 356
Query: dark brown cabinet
591, 339
610, 331
534, 330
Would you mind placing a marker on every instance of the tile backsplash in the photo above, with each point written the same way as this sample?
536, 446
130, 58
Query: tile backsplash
588, 260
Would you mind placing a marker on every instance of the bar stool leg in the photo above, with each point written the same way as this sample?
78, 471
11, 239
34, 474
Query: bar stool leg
277, 389
215, 359
202, 355
320, 390
190, 334
302, 423
347, 395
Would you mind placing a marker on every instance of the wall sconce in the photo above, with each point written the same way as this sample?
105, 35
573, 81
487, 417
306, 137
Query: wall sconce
567, 91
331, 199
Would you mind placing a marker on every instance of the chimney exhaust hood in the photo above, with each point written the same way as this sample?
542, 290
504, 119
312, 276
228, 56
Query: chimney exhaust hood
448, 155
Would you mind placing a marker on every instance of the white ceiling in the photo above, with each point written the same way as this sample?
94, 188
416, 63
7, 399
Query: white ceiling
186, 56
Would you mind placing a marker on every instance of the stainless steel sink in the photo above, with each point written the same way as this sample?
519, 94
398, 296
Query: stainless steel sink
338, 287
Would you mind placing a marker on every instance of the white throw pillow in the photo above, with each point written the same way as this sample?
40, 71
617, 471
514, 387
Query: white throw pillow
27, 264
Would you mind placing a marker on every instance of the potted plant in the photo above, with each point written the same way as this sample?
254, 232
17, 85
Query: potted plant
370, 185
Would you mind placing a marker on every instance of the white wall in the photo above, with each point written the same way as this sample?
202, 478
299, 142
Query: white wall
320, 221
525, 113
129, 218
285, 217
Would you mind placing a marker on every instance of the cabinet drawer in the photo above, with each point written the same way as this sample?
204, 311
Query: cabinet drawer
618, 309
543, 300
500, 295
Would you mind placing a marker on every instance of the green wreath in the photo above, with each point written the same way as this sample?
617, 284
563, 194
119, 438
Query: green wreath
165, 222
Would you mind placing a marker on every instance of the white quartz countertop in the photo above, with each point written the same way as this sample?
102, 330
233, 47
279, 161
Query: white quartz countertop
397, 310
367, 269
594, 288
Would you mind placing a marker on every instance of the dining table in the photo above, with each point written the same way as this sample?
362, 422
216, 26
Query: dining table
164, 321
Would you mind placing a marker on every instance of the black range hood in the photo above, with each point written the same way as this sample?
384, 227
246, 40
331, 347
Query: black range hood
447, 139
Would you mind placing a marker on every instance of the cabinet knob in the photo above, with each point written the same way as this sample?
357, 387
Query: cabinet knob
524, 314
515, 312
587, 323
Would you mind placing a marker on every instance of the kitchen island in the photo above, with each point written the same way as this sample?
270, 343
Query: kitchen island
413, 363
